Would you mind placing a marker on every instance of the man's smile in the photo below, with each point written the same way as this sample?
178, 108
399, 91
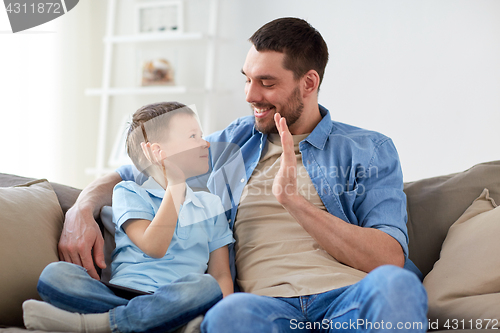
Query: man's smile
262, 111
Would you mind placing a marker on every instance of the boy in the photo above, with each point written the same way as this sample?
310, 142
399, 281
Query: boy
167, 236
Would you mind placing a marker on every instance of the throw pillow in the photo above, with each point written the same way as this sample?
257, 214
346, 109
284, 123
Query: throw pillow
464, 285
31, 221
434, 204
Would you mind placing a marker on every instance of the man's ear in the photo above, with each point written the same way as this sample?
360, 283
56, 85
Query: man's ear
310, 82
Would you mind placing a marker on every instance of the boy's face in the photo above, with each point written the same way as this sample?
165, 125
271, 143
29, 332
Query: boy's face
185, 147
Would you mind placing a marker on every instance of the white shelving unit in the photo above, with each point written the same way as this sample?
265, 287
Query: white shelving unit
107, 91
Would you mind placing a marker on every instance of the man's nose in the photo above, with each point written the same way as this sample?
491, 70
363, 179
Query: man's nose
253, 94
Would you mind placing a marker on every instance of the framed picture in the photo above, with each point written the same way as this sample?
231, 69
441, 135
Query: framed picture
163, 16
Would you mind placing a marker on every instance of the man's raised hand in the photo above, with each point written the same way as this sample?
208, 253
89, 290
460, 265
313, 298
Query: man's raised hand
285, 182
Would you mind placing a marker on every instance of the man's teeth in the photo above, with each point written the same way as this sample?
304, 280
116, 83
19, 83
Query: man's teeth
262, 110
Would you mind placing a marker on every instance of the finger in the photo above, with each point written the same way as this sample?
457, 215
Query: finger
88, 264
284, 125
149, 152
287, 143
277, 121
68, 252
164, 169
62, 257
145, 151
160, 156
99, 252
74, 258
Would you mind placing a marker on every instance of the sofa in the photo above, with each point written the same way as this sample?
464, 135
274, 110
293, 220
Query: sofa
453, 229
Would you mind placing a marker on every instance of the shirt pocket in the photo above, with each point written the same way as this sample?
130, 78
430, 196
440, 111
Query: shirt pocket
183, 232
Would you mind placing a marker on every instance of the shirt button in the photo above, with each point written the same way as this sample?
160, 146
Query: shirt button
229, 220
242, 180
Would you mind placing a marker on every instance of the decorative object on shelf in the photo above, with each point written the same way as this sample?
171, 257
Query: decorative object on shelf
160, 17
157, 72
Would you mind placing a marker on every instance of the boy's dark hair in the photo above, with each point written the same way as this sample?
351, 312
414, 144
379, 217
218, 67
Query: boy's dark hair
150, 124
303, 46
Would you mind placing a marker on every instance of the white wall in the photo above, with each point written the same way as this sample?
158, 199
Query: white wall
28, 112
424, 72
48, 126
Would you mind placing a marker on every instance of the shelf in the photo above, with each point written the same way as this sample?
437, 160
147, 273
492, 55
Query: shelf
100, 172
153, 37
107, 91
137, 91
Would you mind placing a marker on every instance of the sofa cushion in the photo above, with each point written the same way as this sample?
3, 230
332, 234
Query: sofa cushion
434, 204
31, 222
65, 194
465, 281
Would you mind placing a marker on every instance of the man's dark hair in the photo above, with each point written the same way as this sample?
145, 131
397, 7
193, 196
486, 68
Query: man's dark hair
303, 46
150, 124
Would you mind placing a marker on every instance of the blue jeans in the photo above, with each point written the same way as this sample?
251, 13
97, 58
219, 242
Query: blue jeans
388, 299
69, 287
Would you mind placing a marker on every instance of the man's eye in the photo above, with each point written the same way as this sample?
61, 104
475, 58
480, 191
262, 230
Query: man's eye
269, 85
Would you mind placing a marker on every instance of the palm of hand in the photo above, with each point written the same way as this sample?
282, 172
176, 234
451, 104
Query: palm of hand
285, 182
167, 167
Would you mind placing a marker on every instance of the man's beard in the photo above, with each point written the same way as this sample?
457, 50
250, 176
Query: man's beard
291, 111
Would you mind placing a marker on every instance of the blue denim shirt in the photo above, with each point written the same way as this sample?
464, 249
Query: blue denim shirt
356, 173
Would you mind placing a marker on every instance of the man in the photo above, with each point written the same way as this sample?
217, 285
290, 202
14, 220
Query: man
319, 226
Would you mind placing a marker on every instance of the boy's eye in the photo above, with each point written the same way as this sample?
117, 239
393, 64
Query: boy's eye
193, 136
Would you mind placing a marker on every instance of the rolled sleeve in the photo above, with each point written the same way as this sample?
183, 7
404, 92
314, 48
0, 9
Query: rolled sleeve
381, 202
130, 173
126, 172
221, 234
129, 204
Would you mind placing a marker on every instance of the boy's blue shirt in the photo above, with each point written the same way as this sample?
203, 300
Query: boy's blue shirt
201, 228
356, 173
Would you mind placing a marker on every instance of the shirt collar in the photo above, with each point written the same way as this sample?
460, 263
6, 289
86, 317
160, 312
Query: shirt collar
320, 133
153, 188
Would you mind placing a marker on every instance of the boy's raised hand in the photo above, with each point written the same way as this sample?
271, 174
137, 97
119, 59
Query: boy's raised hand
171, 174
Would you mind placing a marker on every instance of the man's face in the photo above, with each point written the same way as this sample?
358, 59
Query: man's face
271, 89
